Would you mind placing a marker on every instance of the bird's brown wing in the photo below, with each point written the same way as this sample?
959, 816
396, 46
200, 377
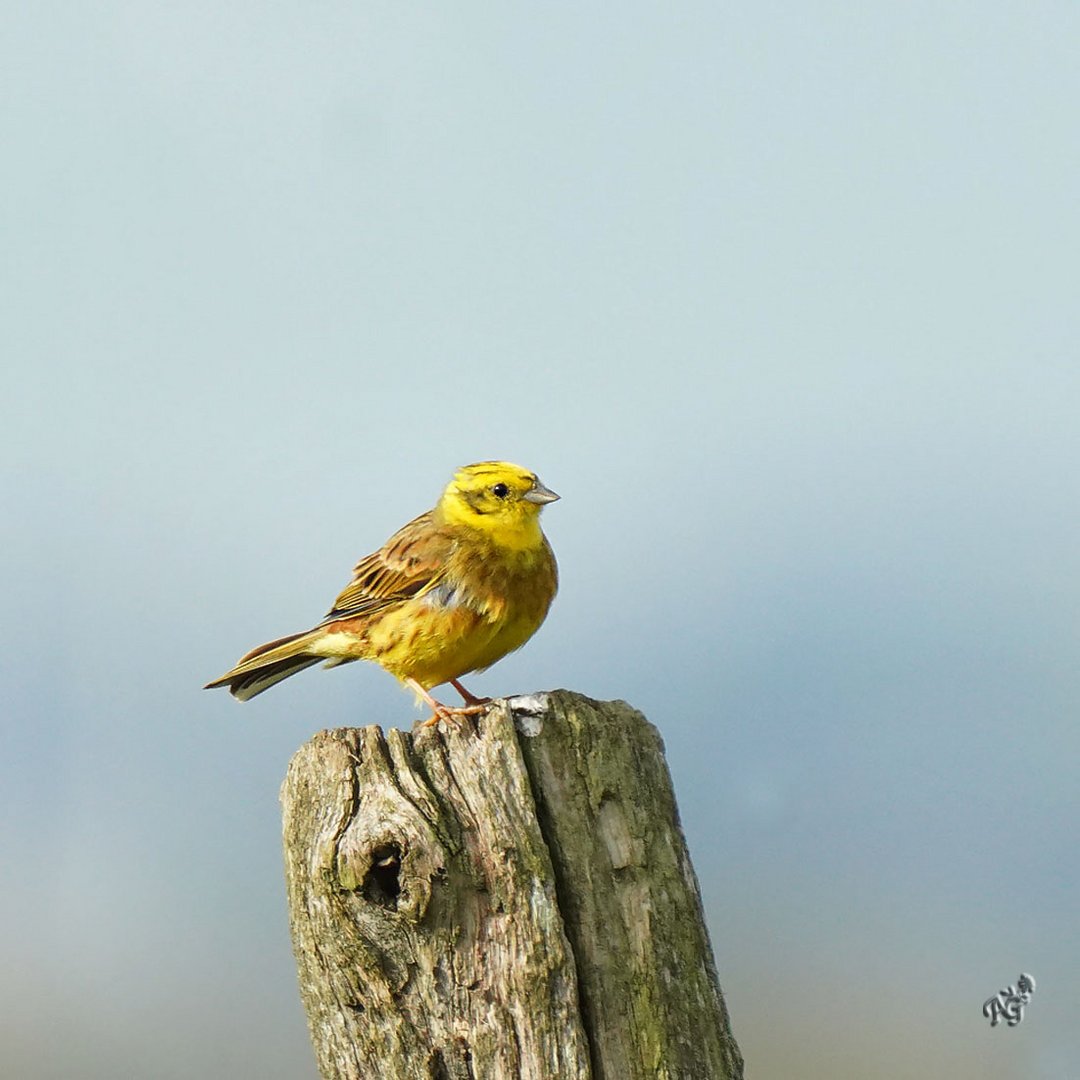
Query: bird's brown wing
412, 560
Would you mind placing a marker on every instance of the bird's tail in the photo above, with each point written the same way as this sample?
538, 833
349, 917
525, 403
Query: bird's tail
269, 664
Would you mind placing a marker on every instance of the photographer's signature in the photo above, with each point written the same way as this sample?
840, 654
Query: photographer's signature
1008, 1004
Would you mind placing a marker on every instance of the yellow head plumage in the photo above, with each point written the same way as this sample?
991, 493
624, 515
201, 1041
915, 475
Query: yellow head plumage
501, 500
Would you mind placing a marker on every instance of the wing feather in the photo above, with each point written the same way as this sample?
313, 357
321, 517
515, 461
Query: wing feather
412, 561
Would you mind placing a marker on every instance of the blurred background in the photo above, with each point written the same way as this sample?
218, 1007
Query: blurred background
781, 298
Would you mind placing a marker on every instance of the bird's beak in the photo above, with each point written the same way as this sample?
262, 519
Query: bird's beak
540, 494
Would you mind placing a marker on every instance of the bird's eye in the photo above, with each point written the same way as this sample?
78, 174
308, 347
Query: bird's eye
500, 491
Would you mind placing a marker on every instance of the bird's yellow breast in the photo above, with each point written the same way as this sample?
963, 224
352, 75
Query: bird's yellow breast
489, 602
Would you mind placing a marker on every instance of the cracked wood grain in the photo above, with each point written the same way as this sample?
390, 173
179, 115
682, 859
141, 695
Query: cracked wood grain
501, 901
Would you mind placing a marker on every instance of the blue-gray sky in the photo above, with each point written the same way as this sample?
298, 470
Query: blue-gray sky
780, 297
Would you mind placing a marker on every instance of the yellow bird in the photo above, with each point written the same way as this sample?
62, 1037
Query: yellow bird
451, 592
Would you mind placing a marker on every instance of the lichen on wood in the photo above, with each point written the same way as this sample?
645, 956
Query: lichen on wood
500, 901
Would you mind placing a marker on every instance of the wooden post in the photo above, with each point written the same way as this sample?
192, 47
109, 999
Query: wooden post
508, 901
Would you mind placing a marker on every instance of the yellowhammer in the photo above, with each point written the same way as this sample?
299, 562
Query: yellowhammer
452, 592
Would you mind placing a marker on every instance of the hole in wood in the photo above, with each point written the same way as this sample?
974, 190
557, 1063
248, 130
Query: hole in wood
437, 1065
382, 883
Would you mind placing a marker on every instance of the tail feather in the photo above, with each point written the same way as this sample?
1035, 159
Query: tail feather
245, 687
267, 665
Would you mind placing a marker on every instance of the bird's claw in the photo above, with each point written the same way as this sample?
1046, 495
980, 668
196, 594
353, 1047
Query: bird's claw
454, 714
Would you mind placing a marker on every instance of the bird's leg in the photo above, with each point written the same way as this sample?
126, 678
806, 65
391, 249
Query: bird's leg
449, 713
470, 699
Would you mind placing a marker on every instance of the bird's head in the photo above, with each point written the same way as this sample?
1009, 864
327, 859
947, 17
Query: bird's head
499, 499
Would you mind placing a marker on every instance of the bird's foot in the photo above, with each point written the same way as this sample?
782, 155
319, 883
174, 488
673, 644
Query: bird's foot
469, 699
450, 714
453, 714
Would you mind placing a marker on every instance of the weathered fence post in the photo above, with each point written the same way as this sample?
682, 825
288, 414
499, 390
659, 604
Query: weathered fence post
508, 901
